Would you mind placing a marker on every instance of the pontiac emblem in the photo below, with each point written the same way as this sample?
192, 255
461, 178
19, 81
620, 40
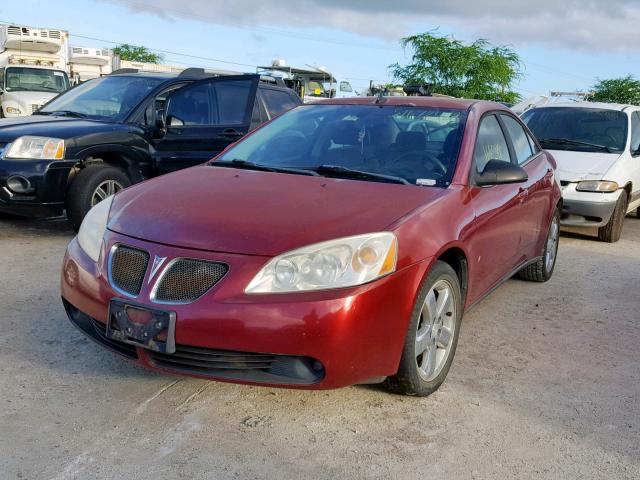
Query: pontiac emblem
157, 263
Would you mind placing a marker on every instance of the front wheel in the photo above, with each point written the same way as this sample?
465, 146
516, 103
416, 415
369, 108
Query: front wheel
612, 231
91, 185
432, 336
542, 269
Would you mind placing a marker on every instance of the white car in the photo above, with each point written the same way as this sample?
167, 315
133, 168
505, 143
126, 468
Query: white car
597, 148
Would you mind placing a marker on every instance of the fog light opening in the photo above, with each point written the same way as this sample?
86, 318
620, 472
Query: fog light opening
19, 184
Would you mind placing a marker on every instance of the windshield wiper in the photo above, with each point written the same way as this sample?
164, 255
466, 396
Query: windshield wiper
349, 172
237, 163
64, 113
567, 141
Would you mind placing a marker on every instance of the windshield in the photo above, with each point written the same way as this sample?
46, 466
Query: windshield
319, 88
579, 129
111, 98
27, 79
419, 145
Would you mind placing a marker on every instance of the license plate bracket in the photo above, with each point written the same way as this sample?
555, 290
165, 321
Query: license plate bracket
142, 326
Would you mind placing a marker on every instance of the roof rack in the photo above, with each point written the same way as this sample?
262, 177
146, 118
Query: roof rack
124, 70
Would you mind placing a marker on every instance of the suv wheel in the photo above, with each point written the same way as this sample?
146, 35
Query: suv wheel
611, 231
432, 336
91, 185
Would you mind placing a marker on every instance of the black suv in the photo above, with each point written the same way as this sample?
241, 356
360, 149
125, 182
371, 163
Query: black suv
111, 132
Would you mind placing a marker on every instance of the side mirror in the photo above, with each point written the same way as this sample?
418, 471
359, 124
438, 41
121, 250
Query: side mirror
497, 172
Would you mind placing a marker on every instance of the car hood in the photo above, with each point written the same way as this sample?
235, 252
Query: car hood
257, 213
578, 166
44, 125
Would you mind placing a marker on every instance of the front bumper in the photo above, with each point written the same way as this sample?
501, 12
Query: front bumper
587, 209
331, 338
48, 180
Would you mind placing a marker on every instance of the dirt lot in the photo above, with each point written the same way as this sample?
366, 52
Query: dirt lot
546, 384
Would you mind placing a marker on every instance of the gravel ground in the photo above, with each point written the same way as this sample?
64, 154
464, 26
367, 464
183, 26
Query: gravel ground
545, 384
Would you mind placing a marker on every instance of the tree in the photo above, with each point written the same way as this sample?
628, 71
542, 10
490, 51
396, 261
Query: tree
477, 70
137, 54
617, 90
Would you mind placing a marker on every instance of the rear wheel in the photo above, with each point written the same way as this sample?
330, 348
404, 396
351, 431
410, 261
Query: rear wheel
91, 185
542, 269
432, 336
612, 231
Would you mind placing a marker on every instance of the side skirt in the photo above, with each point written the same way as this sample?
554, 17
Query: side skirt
503, 280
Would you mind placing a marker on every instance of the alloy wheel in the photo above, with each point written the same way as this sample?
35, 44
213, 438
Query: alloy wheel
552, 243
104, 190
436, 330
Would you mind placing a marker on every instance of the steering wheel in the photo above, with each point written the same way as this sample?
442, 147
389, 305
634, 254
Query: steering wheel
426, 156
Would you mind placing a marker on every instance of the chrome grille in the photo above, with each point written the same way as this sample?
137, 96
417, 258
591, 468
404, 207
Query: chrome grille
35, 107
186, 280
127, 268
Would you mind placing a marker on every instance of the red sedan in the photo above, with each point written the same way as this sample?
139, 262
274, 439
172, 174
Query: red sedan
338, 244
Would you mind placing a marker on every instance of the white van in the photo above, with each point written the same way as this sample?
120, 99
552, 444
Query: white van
597, 147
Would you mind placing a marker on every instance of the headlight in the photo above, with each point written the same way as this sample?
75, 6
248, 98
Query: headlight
36, 148
93, 228
597, 186
13, 110
344, 262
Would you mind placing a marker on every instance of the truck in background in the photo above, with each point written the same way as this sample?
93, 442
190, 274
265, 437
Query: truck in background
87, 63
33, 68
309, 83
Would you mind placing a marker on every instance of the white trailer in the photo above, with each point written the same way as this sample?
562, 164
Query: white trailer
87, 63
33, 68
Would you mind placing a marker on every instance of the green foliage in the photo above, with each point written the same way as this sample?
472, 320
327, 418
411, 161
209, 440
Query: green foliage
137, 54
617, 90
478, 70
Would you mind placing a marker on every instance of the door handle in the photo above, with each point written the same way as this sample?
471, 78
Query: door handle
230, 133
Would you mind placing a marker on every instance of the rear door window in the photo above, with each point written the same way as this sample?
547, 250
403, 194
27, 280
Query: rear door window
519, 140
490, 144
277, 101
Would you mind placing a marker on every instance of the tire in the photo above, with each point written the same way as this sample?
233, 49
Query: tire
542, 269
421, 374
93, 183
611, 232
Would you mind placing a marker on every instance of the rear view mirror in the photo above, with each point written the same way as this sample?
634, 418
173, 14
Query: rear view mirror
498, 172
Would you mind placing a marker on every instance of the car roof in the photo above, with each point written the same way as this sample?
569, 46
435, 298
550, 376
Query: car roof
600, 105
167, 76
437, 102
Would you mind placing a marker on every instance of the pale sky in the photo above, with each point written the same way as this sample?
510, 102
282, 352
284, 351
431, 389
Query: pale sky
564, 45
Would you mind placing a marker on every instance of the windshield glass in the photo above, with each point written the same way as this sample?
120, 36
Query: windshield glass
580, 126
319, 88
110, 98
417, 144
27, 79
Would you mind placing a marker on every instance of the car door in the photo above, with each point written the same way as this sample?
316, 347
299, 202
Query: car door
202, 119
496, 241
536, 191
